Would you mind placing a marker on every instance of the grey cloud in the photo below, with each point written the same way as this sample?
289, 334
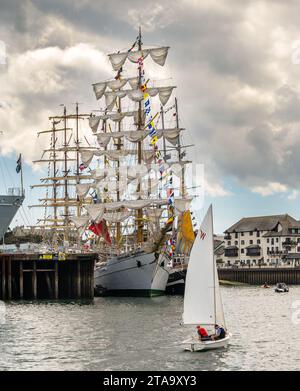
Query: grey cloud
238, 91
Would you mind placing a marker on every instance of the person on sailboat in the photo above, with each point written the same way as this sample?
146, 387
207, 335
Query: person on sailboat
203, 334
220, 333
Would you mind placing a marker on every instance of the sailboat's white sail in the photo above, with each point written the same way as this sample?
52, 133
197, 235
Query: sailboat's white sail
202, 300
220, 318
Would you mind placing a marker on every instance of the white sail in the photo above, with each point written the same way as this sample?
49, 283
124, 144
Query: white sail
220, 318
136, 95
158, 55
202, 302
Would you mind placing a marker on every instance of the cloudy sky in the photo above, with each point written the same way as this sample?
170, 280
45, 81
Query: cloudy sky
236, 65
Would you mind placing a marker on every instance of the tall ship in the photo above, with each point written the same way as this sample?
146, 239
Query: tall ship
118, 187
11, 202
141, 150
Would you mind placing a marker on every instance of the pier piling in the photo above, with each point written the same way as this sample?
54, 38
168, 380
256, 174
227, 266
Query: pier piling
46, 276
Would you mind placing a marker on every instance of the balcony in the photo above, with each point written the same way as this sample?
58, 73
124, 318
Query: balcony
253, 250
227, 237
290, 243
231, 251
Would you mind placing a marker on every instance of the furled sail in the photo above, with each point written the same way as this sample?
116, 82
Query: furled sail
82, 189
95, 211
87, 156
115, 116
158, 55
80, 221
135, 136
116, 217
136, 95
182, 205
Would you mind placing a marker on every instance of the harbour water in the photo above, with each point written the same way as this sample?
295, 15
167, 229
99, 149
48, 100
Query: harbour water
145, 334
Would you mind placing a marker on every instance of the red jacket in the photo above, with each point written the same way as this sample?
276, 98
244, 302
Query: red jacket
202, 332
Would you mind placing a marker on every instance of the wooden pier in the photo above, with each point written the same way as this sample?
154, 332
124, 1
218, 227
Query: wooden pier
258, 276
47, 276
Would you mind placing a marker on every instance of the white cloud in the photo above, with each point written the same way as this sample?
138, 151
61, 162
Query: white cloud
293, 195
270, 189
215, 189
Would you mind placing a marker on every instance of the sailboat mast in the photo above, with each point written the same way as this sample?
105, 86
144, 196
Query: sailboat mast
140, 211
214, 268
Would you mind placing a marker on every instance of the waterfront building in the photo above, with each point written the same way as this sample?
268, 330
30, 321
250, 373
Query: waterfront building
263, 241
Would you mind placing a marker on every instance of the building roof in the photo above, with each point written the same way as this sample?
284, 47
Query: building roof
265, 223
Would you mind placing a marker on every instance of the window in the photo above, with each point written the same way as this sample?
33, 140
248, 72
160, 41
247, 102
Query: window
268, 249
272, 241
277, 240
257, 234
251, 241
250, 233
242, 251
229, 243
236, 242
258, 241
277, 249
298, 240
242, 233
268, 240
242, 242
236, 235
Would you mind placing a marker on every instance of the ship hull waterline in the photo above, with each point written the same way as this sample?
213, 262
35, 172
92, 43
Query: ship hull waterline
138, 275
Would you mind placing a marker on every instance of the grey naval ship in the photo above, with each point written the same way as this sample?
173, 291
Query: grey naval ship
9, 205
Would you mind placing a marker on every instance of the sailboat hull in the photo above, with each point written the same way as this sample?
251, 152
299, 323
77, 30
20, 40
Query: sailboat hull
195, 345
131, 275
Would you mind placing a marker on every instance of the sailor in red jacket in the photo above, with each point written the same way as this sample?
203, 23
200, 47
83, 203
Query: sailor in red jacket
202, 333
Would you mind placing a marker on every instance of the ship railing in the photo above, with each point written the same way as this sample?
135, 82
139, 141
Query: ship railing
180, 260
14, 191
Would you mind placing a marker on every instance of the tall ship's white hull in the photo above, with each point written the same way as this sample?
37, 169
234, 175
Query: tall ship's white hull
140, 274
9, 205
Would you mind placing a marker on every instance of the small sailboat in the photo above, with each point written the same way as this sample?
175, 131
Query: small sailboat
202, 299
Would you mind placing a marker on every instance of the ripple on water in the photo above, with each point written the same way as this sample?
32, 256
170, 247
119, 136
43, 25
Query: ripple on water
145, 334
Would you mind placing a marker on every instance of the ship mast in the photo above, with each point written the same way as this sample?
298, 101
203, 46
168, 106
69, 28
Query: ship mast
62, 224
182, 184
77, 156
66, 197
54, 181
140, 211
